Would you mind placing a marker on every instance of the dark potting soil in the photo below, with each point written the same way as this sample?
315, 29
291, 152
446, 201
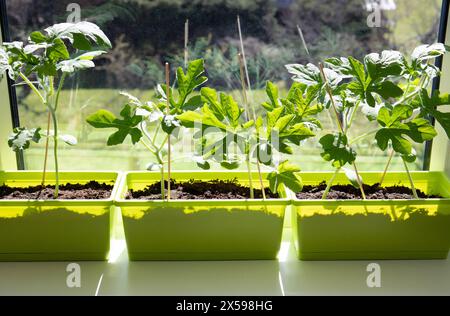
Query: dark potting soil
89, 191
199, 190
349, 192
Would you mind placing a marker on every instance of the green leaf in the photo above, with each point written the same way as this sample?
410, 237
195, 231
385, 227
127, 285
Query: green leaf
272, 93
230, 162
69, 139
81, 42
84, 61
426, 52
395, 131
90, 55
421, 130
296, 133
308, 75
21, 138
293, 90
387, 89
202, 163
340, 65
189, 81
57, 51
169, 123
248, 124
283, 122
38, 37
193, 103
273, 117
335, 149
411, 157
46, 69
210, 97
87, 29
352, 177
394, 135
206, 118
73, 65
286, 174
389, 63
126, 126
303, 106
231, 109
387, 118
358, 70
430, 107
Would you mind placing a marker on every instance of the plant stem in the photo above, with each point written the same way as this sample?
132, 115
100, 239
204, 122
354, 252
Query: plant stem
147, 146
169, 154
186, 43
391, 155
360, 182
58, 91
329, 184
406, 97
330, 94
155, 135
413, 188
250, 180
146, 134
33, 87
357, 139
244, 93
352, 117
47, 141
163, 187
163, 143
55, 151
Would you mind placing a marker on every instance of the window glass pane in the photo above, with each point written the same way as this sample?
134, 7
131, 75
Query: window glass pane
145, 34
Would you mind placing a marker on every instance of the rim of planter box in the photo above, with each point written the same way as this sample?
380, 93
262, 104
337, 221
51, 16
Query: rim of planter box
21, 176
217, 202
421, 201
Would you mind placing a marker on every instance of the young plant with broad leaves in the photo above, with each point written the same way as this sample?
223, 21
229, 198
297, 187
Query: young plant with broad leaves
228, 134
387, 88
43, 64
149, 123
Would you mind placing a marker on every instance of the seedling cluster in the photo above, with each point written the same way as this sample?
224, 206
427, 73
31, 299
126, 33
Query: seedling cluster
388, 88
43, 64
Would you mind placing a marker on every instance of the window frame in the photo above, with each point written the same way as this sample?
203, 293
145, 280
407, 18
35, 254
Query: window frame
431, 155
11, 117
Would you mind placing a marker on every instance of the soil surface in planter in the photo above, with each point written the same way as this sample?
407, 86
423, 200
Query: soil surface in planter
89, 191
349, 192
199, 190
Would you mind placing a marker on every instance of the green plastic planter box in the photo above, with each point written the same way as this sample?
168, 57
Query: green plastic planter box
375, 229
59, 230
200, 229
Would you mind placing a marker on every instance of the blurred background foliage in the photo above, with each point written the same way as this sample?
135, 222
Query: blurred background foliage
146, 33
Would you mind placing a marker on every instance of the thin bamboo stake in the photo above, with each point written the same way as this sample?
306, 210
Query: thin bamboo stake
300, 32
244, 92
330, 94
186, 43
391, 155
169, 149
243, 53
413, 188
